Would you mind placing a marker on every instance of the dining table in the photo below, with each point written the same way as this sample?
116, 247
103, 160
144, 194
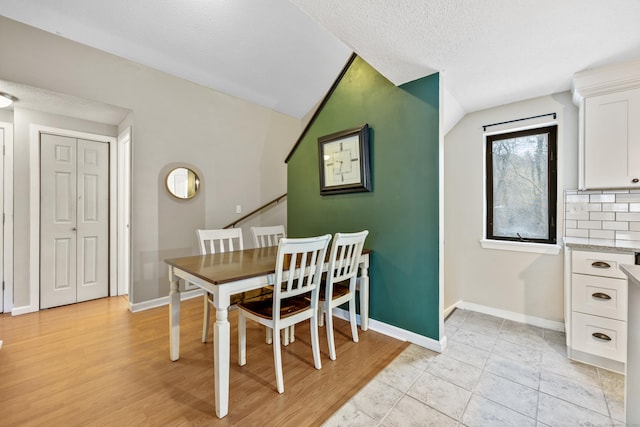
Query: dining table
226, 274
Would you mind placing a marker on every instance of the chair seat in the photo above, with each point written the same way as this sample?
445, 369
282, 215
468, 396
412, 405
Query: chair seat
339, 290
263, 306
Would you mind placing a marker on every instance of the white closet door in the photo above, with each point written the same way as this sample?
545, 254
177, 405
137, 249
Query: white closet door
57, 220
93, 220
74, 221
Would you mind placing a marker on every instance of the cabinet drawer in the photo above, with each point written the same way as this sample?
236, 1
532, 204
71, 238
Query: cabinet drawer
600, 263
599, 336
601, 296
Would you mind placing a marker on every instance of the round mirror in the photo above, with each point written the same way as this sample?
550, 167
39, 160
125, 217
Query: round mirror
183, 183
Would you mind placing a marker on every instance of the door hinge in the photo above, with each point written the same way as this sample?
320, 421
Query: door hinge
3, 286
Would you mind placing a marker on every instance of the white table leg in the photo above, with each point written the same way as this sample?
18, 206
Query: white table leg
174, 316
221, 354
364, 295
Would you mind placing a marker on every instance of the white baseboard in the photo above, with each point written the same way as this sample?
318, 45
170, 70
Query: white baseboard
159, 302
397, 333
16, 311
449, 310
510, 315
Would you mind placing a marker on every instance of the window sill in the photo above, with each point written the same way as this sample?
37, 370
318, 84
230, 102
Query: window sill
536, 248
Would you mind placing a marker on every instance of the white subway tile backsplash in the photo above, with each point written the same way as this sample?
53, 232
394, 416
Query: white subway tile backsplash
626, 198
577, 198
615, 207
602, 216
602, 234
576, 207
624, 216
602, 198
572, 232
577, 215
615, 225
594, 225
606, 214
628, 235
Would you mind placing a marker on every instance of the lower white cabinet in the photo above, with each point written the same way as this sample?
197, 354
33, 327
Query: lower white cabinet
596, 307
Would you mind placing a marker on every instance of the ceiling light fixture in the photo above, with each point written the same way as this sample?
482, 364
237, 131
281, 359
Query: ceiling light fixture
6, 99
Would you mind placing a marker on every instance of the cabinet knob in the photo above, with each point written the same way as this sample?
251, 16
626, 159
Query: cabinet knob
635, 180
600, 264
601, 296
601, 336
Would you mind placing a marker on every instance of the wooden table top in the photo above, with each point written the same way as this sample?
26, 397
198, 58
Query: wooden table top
231, 266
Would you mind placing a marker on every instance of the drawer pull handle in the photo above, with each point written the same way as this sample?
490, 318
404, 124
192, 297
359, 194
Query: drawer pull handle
601, 295
601, 336
600, 264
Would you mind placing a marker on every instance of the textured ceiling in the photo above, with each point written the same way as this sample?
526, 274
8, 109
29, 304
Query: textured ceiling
285, 54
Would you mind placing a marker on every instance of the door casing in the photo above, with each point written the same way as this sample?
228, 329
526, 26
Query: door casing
34, 210
7, 259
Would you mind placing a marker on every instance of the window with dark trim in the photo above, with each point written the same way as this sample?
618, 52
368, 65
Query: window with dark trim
521, 185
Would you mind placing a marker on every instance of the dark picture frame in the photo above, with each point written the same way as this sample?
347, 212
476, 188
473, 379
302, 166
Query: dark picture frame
344, 161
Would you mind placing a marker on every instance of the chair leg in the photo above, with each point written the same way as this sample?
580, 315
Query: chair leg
352, 319
277, 361
205, 324
292, 333
242, 339
315, 342
285, 336
268, 332
329, 328
320, 314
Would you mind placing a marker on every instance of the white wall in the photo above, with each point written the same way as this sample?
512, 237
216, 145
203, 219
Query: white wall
239, 147
523, 283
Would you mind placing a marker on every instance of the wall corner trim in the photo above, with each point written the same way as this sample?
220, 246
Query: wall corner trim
322, 104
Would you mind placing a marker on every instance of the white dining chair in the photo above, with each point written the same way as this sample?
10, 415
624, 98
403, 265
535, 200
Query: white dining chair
267, 236
295, 297
264, 237
216, 241
339, 286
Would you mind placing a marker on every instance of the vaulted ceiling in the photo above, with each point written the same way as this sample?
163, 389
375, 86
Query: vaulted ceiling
286, 54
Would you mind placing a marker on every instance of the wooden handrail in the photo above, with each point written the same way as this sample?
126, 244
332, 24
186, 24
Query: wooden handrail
250, 214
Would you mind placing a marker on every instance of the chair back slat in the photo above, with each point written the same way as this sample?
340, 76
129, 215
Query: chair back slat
346, 250
220, 240
299, 268
267, 236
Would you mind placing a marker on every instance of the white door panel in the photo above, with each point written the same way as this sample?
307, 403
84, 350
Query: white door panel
74, 220
93, 221
57, 217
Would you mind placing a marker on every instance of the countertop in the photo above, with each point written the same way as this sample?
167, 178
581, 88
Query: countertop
633, 272
603, 244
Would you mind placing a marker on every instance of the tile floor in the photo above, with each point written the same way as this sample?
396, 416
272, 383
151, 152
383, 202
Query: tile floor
494, 372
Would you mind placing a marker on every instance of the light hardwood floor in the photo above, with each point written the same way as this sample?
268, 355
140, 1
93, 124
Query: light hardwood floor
95, 363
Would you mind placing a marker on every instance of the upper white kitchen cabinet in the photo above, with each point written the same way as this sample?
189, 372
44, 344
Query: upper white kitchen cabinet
608, 99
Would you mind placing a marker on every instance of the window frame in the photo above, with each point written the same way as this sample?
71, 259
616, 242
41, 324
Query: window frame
552, 184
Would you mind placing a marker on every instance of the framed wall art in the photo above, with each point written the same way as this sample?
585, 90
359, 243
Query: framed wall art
344, 161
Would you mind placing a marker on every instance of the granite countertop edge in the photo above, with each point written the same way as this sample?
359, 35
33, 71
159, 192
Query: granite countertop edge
629, 246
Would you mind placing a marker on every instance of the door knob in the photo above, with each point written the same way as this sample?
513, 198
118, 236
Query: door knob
74, 229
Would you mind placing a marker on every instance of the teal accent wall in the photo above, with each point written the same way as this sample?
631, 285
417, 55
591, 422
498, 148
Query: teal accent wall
401, 211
